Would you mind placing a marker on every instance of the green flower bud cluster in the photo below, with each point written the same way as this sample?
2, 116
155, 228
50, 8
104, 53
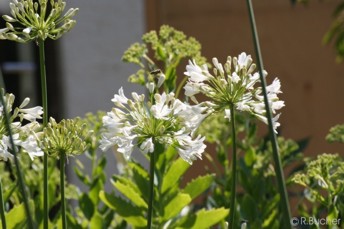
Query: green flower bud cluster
336, 134
30, 20
67, 136
169, 47
323, 180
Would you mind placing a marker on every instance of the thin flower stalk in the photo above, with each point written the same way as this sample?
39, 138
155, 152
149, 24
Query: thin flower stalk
276, 155
234, 170
2, 208
62, 184
45, 122
151, 190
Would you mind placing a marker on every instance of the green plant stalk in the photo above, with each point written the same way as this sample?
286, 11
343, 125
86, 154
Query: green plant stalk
2, 208
234, 176
62, 188
45, 122
276, 156
151, 189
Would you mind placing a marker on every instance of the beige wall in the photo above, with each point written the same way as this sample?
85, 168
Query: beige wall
290, 38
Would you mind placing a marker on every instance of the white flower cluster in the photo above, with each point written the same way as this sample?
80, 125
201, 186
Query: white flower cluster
31, 20
233, 83
163, 120
24, 135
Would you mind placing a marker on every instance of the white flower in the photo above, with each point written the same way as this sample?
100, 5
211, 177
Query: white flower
23, 135
120, 97
190, 149
164, 120
196, 73
147, 146
31, 147
31, 114
5, 146
161, 108
233, 86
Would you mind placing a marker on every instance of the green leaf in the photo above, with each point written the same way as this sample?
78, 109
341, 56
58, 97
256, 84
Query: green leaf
176, 205
165, 158
86, 206
83, 178
197, 186
248, 208
95, 188
130, 213
173, 175
16, 217
130, 193
204, 219
141, 180
97, 221
250, 156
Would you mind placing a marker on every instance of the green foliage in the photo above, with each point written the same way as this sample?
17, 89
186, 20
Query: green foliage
16, 217
258, 199
336, 134
323, 179
170, 198
90, 210
168, 47
335, 34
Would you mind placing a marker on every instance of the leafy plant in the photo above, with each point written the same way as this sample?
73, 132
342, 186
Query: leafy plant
172, 206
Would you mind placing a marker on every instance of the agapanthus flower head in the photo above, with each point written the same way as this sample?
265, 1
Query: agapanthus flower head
24, 135
233, 84
34, 20
68, 137
164, 120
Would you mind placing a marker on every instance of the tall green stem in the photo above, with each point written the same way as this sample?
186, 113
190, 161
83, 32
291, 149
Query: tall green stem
276, 156
45, 122
234, 162
62, 184
2, 208
151, 190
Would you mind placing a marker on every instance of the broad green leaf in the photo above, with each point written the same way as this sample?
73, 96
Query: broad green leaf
197, 186
248, 208
204, 219
130, 213
82, 177
250, 156
131, 194
95, 188
97, 221
141, 181
172, 208
139, 169
165, 158
16, 217
173, 175
86, 206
